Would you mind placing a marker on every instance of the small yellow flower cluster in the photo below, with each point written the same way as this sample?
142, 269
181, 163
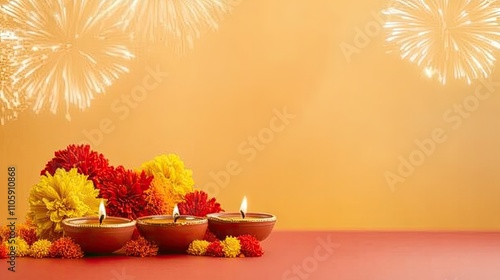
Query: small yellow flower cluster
231, 247
198, 247
21, 247
40, 249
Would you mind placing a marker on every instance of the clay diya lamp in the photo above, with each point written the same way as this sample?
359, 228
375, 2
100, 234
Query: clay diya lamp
99, 235
259, 225
174, 233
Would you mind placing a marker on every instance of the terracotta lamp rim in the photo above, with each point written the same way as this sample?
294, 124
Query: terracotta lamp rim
93, 222
182, 221
236, 217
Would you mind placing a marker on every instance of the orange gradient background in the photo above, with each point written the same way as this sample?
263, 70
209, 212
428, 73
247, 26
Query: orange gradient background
322, 169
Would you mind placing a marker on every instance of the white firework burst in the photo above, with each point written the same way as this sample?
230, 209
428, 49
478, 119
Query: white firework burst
448, 39
76, 50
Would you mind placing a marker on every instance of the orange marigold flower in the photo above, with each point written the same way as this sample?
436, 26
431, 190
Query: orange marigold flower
140, 248
5, 233
156, 200
215, 249
65, 248
28, 233
172, 181
250, 246
197, 204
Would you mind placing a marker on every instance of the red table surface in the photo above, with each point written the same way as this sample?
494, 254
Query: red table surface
299, 256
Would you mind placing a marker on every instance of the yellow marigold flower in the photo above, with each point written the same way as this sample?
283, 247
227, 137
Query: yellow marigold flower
40, 249
198, 247
67, 194
231, 247
21, 247
171, 182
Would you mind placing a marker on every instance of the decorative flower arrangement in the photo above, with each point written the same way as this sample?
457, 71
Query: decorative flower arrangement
74, 182
230, 247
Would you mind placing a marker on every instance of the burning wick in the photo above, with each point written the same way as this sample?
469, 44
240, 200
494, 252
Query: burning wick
176, 214
243, 207
102, 212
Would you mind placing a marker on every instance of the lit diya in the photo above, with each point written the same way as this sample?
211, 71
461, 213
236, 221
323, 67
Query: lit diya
99, 235
259, 225
174, 233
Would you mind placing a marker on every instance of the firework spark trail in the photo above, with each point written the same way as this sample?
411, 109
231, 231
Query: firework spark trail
176, 23
12, 100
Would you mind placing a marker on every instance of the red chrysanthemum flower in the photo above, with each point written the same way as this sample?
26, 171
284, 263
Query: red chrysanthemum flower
215, 249
3, 251
65, 248
140, 248
124, 191
197, 204
250, 246
87, 162
210, 236
28, 233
